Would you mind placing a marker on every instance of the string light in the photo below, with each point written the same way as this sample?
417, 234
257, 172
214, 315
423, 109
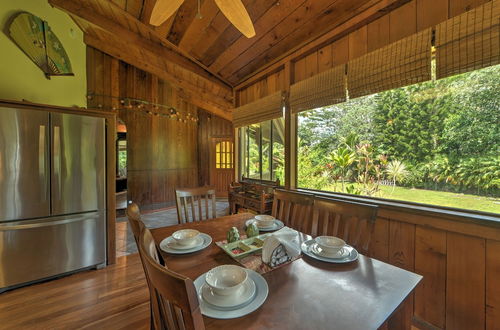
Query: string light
148, 108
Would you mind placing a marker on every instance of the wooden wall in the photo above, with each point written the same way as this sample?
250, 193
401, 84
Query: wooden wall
163, 153
408, 19
271, 83
459, 260
210, 127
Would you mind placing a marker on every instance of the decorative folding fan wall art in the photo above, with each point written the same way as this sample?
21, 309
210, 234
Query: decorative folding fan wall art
35, 38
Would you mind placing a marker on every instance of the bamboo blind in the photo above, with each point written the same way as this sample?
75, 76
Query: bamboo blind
403, 63
325, 88
469, 41
266, 108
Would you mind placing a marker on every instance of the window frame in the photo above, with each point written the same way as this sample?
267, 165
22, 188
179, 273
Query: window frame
243, 144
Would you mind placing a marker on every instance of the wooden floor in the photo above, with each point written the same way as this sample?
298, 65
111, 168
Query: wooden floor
115, 297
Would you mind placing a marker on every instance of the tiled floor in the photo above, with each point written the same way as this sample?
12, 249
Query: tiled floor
125, 243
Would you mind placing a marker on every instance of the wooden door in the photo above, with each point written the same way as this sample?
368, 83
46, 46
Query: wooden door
221, 164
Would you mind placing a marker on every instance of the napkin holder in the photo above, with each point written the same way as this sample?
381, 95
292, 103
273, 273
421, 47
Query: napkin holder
279, 256
279, 248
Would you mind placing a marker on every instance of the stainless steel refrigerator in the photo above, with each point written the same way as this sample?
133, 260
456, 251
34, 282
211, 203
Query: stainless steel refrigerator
52, 194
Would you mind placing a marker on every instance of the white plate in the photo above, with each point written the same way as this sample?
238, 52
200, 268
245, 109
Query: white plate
240, 298
260, 296
307, 247
172, 244
277, 225
316, 249
166, 245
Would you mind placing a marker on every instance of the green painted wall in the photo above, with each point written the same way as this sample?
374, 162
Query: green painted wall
21, 79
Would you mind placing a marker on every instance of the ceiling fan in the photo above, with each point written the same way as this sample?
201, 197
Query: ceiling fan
234, 10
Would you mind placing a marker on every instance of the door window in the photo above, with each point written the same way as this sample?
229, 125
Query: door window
224, 152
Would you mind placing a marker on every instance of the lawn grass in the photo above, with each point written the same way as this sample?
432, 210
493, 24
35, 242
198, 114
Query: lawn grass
432, 197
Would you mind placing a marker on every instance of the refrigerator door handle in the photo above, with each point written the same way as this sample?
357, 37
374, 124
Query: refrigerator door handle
42, 160
57, 221
57, 160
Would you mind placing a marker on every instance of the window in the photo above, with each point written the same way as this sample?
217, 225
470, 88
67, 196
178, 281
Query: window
224, 152
262, 150
434, 143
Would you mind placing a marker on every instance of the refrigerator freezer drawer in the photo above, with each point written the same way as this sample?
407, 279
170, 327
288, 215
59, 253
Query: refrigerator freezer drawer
37, 249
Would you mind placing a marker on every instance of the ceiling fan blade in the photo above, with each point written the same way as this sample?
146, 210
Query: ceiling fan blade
163, 9
235, 12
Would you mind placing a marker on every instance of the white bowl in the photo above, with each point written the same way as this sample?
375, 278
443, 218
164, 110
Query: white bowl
264, 221
330, 244
185, 237
225, 280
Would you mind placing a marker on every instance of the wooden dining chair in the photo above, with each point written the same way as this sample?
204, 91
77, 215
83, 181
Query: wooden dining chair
175, 297
292, 208
193, 204
133, 214
134, 218
136, 224
353, 222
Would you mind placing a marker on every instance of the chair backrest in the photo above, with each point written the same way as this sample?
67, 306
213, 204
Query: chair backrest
134, 218
353, 222
193, 204
177, 302
293, 208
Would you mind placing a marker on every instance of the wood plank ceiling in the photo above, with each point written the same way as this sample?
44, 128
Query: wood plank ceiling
280, 25
207, 57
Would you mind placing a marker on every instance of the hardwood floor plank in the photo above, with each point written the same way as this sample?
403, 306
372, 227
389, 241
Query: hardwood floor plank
115, 297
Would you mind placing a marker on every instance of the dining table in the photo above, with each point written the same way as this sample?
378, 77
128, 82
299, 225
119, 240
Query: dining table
306, 293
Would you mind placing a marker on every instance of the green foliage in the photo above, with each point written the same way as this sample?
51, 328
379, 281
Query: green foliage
442, 135
369, 169
312, 172
122, 163
473, 129
342, 158
408, 123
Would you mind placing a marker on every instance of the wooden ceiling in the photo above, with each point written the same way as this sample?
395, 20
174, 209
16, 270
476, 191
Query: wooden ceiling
281, 25
205, 58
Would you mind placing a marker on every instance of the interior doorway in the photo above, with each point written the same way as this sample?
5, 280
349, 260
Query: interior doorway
121, 167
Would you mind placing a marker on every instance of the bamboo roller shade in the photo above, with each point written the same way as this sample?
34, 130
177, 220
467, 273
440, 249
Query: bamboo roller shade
266, 108
403, 63
469, 41
323, 89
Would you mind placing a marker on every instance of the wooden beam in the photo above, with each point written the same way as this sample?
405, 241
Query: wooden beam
191, 93
365, 17
164, 48
147, 9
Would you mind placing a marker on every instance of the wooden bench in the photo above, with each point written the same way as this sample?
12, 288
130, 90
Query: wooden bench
252, 194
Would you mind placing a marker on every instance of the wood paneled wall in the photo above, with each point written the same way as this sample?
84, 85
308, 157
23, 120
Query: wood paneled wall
163, 153
408, 19
210, 127
459, 260
266, 86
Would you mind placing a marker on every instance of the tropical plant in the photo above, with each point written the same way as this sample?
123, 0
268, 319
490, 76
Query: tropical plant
342, 158
368, 169
351, 189
396, 171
